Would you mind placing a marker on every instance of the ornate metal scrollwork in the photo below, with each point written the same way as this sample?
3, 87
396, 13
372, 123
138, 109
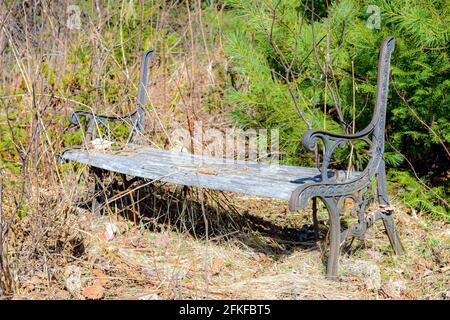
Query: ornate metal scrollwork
334, 192
373, 134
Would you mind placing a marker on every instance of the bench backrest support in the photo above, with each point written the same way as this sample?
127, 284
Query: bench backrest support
142, 90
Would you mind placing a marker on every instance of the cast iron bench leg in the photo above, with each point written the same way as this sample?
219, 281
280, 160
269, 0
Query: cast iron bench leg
335, 238
99, 191
392, 234
334, 191
387, 218
315, 220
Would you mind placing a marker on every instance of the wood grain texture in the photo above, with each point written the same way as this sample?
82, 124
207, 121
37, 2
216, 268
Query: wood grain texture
247, 177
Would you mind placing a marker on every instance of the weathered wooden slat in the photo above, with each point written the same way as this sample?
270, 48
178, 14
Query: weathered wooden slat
264, 170
260, 179
187, 159
218, 165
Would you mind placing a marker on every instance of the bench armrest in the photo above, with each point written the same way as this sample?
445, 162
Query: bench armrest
136, 118
100, 119
309, 139
331, 141
94, 120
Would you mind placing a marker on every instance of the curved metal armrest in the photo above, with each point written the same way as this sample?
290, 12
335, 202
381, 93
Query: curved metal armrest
100, 119
93, 120
331, 141
309, 139
136, 118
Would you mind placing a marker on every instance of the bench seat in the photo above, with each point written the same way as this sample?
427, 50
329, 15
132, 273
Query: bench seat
247, 177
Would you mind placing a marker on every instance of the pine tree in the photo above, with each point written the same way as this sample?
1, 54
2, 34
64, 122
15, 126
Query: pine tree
278, 81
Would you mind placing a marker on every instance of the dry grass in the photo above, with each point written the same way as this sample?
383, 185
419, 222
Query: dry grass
47, 70
165, 257
170, 242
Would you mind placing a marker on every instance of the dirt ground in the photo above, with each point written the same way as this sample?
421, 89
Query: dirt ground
253, 251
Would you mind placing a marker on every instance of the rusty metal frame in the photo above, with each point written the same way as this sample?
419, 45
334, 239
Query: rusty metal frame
334, 192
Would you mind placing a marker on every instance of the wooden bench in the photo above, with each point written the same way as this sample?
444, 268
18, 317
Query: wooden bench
295, 184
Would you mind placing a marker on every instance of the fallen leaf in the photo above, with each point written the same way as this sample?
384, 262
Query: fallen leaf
101, 277
263, 258
102, 236
73, 279
445, 269
217, 265
33, 283
94, 292
207, 171
101, 144
110, 231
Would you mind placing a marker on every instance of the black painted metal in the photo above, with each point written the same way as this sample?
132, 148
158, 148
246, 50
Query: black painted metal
333, 193
135, 118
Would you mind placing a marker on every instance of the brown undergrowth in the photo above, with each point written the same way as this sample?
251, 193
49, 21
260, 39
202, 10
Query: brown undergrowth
176, 243
159, 241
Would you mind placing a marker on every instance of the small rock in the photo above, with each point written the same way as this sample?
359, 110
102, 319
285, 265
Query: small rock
396, 288
94, 292
447, 295
73, 279
150, 296
365, 270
